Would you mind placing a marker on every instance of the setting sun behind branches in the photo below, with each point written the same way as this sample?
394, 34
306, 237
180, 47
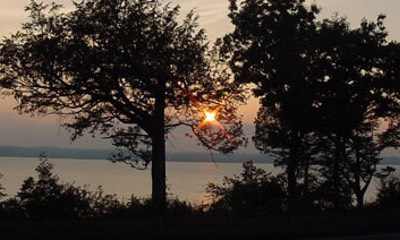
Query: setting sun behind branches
210, 116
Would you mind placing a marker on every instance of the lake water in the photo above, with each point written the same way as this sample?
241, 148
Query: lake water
186, 180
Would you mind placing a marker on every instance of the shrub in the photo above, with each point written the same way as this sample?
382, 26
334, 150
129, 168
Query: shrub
47, 198
142, 207
2, 194
254, 192
389, 192
180, 208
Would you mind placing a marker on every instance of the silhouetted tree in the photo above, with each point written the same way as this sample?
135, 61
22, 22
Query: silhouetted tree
45, 197
269, 48
355, 100
254, 192
2, 194
326, 91
126, 69
388, 195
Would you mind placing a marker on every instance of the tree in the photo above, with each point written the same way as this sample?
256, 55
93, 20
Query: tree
269, 48
355, 100
325, 91
388, 195
44, 197
125, 69
254, 192
2, 194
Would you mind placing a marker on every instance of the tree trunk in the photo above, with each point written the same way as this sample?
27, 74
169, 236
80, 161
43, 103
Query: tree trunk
357, 184
158, 175
292, 183
158, 168
360, 199
306, 182
292, 174
336, 173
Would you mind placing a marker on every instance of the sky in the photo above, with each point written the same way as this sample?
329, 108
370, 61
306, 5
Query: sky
23, 130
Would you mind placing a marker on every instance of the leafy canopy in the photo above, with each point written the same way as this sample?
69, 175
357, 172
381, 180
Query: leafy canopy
116, 67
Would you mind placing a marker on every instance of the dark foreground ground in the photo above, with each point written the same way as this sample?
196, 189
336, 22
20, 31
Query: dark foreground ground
382, 236
371, 225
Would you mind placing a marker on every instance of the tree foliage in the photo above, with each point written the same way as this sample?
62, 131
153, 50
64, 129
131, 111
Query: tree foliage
268, 48
389, 192
254, 192
355, 101
125, 69
46, 198
2, 194
329, 104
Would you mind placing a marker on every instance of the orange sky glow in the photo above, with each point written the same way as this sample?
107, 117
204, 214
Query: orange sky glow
20, 130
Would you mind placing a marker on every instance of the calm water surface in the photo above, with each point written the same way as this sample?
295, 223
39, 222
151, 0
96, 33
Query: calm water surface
186, 180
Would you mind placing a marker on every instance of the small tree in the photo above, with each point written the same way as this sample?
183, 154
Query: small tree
2, 194
126, 69
389, 191
254, 192
45, 197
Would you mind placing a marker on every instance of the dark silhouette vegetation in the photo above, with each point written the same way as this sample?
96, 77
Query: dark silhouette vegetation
45, 197
389, 189
252, 193
249, 205
125, 70
329, 96
2, 194
129, 71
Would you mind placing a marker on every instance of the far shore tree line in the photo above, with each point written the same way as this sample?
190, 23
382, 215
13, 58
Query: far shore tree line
128, 70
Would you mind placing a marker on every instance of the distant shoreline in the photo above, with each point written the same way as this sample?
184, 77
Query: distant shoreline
102, 154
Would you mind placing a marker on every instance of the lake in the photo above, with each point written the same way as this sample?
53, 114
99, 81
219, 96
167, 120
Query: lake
186, 180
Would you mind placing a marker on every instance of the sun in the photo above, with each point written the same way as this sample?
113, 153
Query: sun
210, 116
